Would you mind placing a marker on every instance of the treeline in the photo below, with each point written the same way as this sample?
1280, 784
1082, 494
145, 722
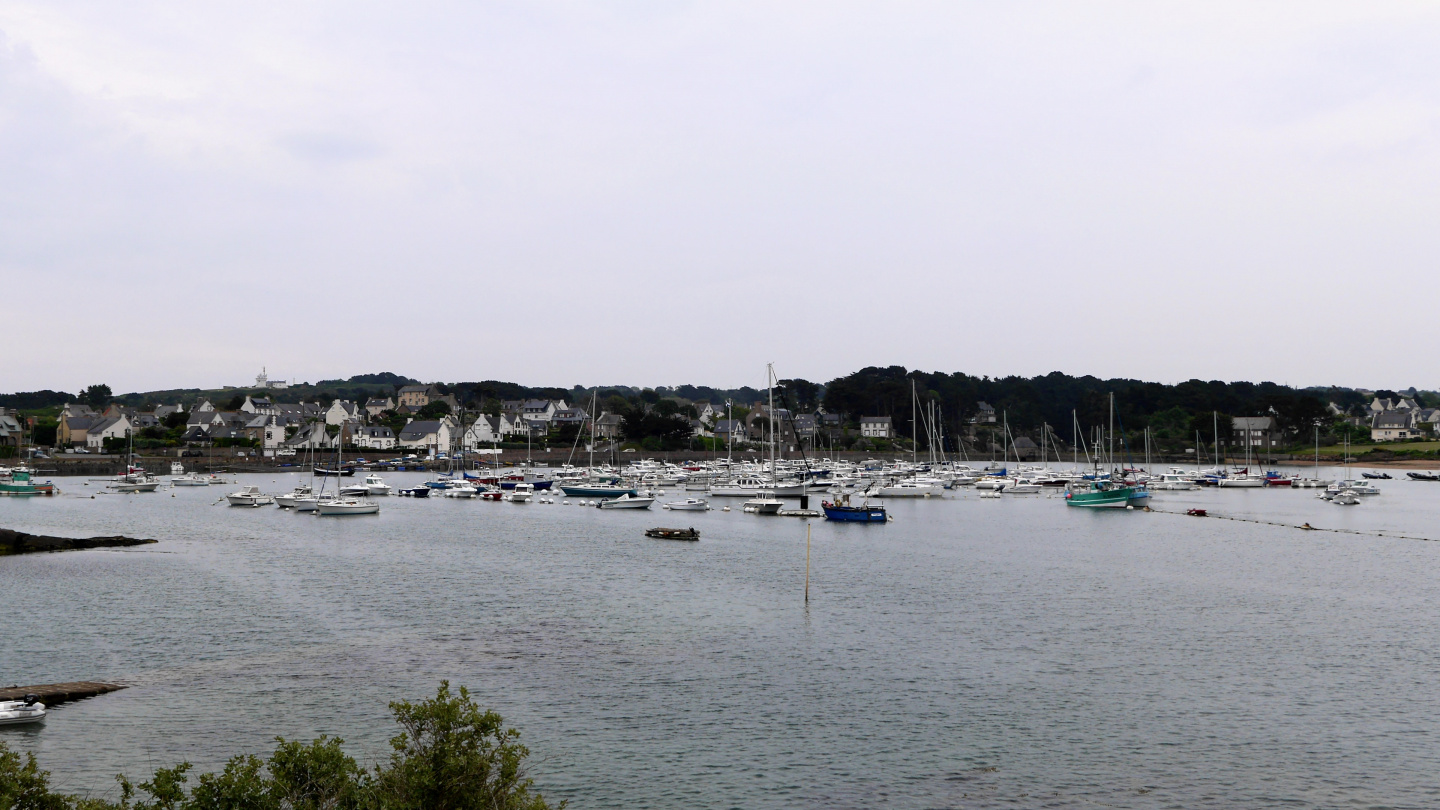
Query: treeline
449, 754
1173, 411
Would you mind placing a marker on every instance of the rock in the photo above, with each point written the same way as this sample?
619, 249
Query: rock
13, 542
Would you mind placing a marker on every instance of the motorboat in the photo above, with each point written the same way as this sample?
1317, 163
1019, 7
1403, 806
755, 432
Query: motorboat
764, 505
291, 499
1353, 487
1422, 476
415, 492
176, 468
249, 496
347, 506
689, 505
913, 489
376, 485
190, 480
1174, 481
521, 493
459, 489
626, 502
1376, 476
17, 712
1344, 498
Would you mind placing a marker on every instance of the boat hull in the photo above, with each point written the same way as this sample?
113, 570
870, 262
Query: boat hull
1117, 498
597, 492
854, 514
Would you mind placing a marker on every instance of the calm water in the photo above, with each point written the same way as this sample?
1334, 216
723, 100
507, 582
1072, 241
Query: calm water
973, 653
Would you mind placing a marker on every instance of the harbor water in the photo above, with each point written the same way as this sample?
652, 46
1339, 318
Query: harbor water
972, 653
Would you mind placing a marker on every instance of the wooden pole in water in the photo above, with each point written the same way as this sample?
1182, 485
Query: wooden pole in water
807, 562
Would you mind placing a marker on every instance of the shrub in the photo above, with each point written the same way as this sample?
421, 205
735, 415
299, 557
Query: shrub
450, 755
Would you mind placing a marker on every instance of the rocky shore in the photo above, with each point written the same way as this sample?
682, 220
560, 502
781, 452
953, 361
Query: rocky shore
13, 542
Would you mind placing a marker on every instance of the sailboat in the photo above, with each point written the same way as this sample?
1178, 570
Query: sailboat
334, 507
766, 503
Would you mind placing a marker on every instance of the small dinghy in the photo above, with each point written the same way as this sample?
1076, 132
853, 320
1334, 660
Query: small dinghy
1195, 512
16, 712
673, 534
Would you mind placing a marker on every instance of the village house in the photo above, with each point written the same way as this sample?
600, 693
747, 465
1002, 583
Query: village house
272, 436
376, 406
342, 411
705, 411
72, 430
984, 414
542, 410
876, 427
608, 427
756, 424
728, 429
1256, 431
417, 396
260, 405
373, 437
484, 431
12, 431
571, 416
1393, 425
311, 437
115, 427
430, 435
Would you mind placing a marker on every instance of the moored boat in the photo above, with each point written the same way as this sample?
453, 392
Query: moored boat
249, 496
18, 712
1100, 495
626, 502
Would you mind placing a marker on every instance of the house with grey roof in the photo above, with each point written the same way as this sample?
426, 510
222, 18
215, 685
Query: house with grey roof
429, 434
373, 437
115, 427
877, 427
12, 432
1256, 431
1394, 425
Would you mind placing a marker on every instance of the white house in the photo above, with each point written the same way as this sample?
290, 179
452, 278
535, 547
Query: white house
542, 410
430, 435
342, 411
273, 436
513, 424
485, 431
373, 438
260, 405
876, 427
310, 437
114, 428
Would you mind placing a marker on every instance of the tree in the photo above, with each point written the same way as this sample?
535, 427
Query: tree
434, 410
450, 754
235, 402
96, 396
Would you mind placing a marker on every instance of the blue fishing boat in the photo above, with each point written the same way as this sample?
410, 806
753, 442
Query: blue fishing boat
844, 512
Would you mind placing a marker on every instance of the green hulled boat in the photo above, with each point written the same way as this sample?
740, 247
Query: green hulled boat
18, 482
1102, 495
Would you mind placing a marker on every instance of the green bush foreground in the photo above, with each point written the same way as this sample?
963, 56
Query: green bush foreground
449, 754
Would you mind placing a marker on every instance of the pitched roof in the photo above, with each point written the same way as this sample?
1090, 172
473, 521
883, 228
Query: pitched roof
419, 430
1392, 419
874, 419
413, 389
1252, 423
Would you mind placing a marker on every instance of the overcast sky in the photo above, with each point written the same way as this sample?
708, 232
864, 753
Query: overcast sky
658, 193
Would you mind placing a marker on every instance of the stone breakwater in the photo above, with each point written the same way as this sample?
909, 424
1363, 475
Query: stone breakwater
13, 542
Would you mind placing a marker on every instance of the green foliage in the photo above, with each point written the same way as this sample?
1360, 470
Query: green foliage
45, 434
449, 755
234, 403
35, 400
434, 410
96, 396
664, 432
452, 755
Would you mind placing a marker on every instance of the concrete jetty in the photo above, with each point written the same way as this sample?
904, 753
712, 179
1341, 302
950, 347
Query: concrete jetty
53, 693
